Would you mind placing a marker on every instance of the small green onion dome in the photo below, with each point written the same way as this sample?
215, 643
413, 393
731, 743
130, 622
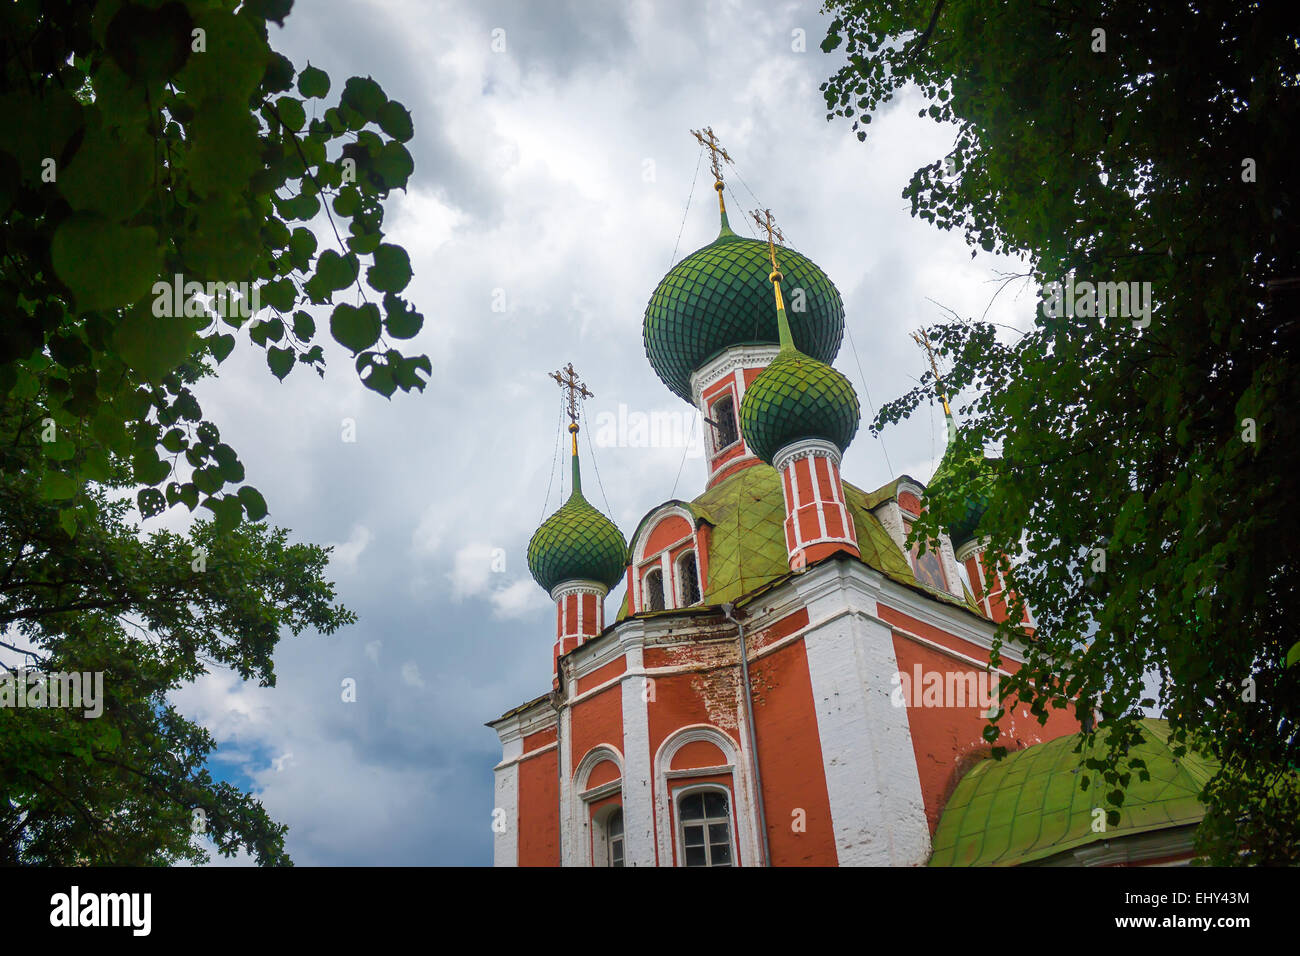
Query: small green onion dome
577, 542
797, 398
719, 297
975, 496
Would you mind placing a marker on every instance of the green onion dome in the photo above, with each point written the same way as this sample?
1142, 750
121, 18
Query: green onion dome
577, 542
974, 496
719, 297
794, 399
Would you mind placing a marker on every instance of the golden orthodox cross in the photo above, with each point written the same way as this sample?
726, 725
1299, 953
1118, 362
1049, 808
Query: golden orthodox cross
768, 225
577, 391
922, 338
710, 142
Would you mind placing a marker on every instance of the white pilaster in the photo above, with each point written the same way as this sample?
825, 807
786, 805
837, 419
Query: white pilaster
505, 815
638, 783
877, 810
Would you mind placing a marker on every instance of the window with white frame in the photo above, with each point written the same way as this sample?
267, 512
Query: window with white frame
653, 590
688, 580
704, 827
614, 838
607, 836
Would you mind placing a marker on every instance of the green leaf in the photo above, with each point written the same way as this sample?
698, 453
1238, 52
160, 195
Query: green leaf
280, 361
1293, 655
380, 379
400, 320
106, 265
130, 156
395, 120
291, 112
394, 165
221, 345
280, 295
302, 246
154, 345
56, 486
253, 502
392, 269
356, 329
364, 96
174, 441
304, 327
313, 83
151, 502
335, 271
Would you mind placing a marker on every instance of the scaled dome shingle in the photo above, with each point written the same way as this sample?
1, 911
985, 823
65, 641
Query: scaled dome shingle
577, 542
720, 296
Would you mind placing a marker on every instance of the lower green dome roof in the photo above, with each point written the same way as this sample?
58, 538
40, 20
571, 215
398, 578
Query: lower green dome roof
720, 296
797, 398
577, 542
1029, 805
975, 493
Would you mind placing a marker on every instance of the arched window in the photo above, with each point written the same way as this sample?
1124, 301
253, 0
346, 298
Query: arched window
704, 827
926, 568
723, 415
654, 590
688, 580
614, 838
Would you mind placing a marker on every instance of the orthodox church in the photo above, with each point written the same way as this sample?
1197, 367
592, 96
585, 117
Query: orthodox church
787, 682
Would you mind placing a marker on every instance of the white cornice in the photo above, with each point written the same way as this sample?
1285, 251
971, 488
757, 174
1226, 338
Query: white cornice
971, 547
805, 448
739, 356
578, 586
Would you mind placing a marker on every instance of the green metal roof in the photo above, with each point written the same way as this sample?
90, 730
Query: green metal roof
1028, 806
720, 296
747, 546
796, 398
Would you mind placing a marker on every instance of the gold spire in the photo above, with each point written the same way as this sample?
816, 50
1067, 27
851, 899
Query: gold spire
716, 150
922, 338
577, 391
768, 225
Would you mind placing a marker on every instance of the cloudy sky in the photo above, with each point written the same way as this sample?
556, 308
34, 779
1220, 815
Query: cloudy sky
551, 179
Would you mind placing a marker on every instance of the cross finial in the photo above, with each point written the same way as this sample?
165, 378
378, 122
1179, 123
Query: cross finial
922, 338
710, 142
569, 381
768, 225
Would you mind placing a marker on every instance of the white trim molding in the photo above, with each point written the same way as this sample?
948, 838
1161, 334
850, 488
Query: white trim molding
582, 796
805, 448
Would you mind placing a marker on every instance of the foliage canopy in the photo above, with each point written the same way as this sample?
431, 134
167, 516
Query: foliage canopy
1148, 481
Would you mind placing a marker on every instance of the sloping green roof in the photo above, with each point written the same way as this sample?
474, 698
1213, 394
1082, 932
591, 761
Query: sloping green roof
1028, 806
747, 547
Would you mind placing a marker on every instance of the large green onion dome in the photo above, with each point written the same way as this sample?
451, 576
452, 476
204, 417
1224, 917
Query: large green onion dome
975, 495
719, 297
577, 542
796, 398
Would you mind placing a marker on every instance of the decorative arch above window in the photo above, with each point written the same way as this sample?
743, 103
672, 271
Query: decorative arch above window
681, 767
596, 808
